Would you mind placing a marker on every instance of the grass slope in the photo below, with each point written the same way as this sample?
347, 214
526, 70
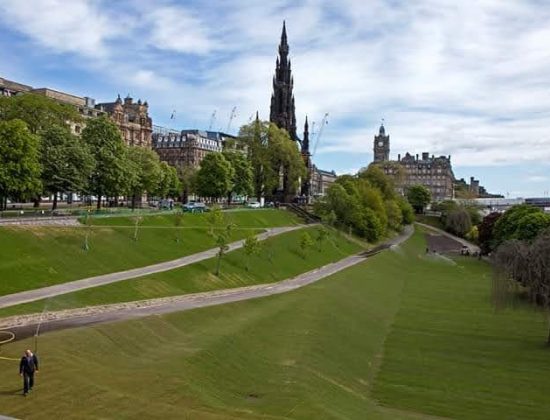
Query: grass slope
307, 354
411, 331
450, 354
279, 260
33, 257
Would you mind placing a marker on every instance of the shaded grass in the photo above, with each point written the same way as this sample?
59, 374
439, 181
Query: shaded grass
33, 257
308, 354
280, 258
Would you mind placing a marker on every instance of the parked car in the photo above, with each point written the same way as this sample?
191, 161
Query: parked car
194, 207
253, 205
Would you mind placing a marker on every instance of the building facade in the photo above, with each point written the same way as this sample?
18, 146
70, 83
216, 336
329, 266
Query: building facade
132, 119
435, 173
187, 148
10, 88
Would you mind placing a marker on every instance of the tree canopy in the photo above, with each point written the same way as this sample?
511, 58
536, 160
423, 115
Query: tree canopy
66, 161
110, 173
214, 178
38, 111
19, 161
366, 204
419, 196
271, 151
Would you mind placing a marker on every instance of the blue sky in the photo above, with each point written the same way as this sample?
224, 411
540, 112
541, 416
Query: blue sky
469, 79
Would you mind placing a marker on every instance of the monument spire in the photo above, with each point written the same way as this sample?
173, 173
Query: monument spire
282, 112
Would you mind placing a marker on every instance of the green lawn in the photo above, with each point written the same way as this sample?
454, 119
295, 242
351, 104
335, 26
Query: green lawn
306, 354
399, 334
32, 257
280, 259
254, 218
450, 354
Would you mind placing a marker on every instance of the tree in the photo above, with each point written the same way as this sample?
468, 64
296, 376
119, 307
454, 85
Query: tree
178, 221
110, 172
525, 263
147, 172
241, 183
305, 244
251, 247
169, 184
187, 177
419, 196
272, 152
214, 176
376, 177
458, 222
322, 235
222, 241
215, 220
19, 161
137, 221
506, 227
406, 210
485, 236
38, 111
394, 214
530, 225
66, 161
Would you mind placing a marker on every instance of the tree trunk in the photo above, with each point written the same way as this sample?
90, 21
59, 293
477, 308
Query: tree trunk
99, 202
218, 264
229, 199
548, 340
36, 202
54, 205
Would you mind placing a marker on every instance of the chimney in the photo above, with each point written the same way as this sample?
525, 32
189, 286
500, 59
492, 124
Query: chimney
399, 157
417, 156
425, 155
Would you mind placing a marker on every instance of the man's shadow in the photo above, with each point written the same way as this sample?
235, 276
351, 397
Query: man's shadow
12, 392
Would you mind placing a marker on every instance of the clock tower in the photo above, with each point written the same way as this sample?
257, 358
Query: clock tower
381, 146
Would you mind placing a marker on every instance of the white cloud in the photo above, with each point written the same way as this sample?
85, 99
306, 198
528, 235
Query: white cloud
76, 26
177, 29
469, 79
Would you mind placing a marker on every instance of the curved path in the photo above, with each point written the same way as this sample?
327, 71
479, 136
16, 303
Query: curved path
26, 325
73, 286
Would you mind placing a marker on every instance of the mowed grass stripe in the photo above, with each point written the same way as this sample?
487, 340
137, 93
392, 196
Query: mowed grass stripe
305, 354
279, 259
34, 257
450, 354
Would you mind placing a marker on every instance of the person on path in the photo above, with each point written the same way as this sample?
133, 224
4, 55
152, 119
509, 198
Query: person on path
27, 367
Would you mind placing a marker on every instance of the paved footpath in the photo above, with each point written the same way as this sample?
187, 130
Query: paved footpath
25, 325
73, 286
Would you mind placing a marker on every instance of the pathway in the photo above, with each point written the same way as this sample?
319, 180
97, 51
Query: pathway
26, 325
464, 242
73, 286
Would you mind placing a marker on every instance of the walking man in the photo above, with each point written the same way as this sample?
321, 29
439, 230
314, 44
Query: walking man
27, 367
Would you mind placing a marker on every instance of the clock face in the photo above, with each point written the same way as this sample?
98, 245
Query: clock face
380, 143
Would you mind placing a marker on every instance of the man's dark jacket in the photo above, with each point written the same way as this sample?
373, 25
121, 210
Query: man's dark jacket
28, 364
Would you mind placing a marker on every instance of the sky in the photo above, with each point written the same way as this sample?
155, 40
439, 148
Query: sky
470, 79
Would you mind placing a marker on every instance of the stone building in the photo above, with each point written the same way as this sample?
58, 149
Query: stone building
10, 88
435, 173
187, 148
132, 119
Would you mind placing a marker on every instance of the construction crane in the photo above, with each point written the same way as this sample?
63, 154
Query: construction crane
320, 133
231, 118
212, 120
